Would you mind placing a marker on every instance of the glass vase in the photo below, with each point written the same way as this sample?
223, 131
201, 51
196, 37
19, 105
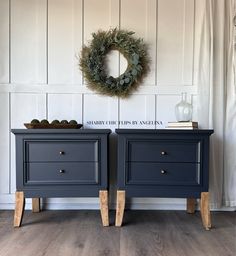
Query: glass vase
183, 110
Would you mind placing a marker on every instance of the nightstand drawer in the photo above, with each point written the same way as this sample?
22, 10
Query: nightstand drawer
163, 151
162, 174
61, 173
61, 151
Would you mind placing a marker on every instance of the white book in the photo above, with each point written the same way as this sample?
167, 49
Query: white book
181, 128
183, 124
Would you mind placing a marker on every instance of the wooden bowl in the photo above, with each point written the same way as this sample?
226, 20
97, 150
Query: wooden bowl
52, 126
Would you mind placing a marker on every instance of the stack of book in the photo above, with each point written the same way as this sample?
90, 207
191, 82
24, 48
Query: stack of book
182, 125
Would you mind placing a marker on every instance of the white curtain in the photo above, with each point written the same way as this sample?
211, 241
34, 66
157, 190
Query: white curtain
217, 96
229, 192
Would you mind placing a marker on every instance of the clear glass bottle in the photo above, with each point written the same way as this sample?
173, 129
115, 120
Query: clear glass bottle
183, 110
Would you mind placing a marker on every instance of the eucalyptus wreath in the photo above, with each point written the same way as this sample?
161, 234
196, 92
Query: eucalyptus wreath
92, 62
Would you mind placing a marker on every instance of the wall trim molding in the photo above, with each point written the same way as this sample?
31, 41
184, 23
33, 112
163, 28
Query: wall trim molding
82, 89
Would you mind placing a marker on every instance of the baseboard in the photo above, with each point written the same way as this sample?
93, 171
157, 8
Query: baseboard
7, 203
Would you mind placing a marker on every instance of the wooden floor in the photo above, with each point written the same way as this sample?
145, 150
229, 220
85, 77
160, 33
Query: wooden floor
151, 233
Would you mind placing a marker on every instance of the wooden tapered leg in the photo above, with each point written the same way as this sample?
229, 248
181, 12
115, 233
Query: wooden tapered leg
35, 204
19, 208
103, 198
205, 210
120, 207
191, 203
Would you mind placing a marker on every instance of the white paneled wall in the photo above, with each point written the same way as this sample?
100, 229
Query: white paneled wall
175, 42
4, 41
100, 111
28, 20
40, 41
64, 41
164, 102
4, 144
143, 22
65, 106
101, 14
132, 116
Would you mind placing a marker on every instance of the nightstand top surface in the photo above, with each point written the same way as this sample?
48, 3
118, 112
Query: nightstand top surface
164, 131
61, 131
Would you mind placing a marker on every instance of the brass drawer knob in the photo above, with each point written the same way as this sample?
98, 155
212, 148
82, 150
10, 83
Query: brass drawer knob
61, 152
163, 153
163, 171
62, 171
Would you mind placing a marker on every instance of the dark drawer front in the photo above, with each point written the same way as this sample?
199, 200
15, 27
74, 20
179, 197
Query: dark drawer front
163, 174
61, 173
54, 151
163, 151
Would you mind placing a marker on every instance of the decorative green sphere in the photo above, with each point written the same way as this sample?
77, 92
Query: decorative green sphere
73, 122
64, 122
44, 121
55, 121
35, 121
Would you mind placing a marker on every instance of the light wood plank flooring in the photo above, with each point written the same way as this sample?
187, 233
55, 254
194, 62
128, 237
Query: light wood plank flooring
144, 233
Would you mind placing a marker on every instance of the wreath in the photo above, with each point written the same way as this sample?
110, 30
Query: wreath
92, 62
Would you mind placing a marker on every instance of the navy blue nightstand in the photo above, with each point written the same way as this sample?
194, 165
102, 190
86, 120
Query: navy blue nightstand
61, 163
164, 163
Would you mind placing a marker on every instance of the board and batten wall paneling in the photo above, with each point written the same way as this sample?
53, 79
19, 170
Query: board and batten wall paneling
64, 41
198, 37
100, 111
28, 41
102, 14
4, 143
175, 42
194, 104
138, 111
140, 16
65, 107
188, 43
38, 67
165, 108
24, 108
4, 41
